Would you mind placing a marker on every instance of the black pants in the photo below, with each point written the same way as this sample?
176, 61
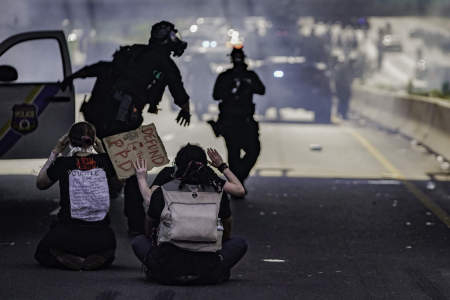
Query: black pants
231, 253
134, 211
76, 239
343, 104
242, 136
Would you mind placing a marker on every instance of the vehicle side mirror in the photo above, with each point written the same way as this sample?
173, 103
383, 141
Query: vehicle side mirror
8, 73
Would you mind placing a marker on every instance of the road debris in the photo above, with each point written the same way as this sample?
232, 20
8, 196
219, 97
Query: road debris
431, 185
315, 147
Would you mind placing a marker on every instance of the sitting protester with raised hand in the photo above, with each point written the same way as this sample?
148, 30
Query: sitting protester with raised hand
81, 238
188, 226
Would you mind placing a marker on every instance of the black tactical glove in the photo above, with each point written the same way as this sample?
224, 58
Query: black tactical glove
184, 118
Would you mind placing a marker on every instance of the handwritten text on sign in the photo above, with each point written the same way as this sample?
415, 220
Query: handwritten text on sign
126, 147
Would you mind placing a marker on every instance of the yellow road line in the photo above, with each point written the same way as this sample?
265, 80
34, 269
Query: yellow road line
424, 199
30, 97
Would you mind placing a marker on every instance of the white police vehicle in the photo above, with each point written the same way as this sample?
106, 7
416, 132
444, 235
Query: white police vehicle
34, 111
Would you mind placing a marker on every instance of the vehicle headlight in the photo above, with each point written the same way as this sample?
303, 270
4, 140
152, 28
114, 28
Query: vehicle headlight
278, 74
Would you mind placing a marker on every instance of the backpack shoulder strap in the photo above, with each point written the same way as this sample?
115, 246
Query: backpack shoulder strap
174, 189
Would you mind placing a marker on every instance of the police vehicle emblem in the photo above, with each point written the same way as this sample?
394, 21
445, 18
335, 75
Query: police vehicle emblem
24, 118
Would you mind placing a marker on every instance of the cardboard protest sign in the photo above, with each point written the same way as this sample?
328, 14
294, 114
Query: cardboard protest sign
126, 147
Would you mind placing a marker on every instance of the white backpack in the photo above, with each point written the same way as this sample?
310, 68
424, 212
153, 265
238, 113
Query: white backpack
190, 218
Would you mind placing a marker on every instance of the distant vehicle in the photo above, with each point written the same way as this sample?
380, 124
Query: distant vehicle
34, 111
355, 22
292, 82
391, 43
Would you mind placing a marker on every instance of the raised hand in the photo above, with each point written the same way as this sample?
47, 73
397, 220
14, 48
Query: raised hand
61, 144
140, 166
214, 156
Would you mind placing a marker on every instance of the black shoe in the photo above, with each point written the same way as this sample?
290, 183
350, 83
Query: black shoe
214, 127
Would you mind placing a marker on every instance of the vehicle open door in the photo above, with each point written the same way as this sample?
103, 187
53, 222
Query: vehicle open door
34, 111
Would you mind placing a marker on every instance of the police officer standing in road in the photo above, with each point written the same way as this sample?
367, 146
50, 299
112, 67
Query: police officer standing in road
235, 88
137, 75
343, 78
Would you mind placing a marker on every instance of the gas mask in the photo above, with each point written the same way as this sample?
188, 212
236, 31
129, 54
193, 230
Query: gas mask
237, 56
165, 34
176, 44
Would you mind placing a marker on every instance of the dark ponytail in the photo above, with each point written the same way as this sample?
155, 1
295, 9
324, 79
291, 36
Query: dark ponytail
82, 134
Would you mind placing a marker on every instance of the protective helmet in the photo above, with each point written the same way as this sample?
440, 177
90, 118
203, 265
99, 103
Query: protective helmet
237, 55
164, 33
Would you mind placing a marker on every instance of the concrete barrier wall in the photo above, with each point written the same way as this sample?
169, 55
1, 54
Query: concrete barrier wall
425, 119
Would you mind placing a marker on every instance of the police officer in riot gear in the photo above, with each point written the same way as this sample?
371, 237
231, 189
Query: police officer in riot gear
137, 75
235, 88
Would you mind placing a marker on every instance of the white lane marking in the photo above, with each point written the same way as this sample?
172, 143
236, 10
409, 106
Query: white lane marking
274, 260
384, 182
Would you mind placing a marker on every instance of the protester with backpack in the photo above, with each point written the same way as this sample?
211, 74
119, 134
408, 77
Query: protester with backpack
81, 238
188, 226
137, 75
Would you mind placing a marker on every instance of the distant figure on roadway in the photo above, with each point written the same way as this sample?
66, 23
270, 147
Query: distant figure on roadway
235, 88
343, 79
81, 238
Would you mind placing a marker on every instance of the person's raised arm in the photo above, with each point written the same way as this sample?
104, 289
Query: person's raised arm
141, 173
233, 186
177, 90
43, 182
88, 71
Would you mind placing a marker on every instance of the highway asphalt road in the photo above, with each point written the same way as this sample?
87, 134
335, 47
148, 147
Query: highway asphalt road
364, 217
